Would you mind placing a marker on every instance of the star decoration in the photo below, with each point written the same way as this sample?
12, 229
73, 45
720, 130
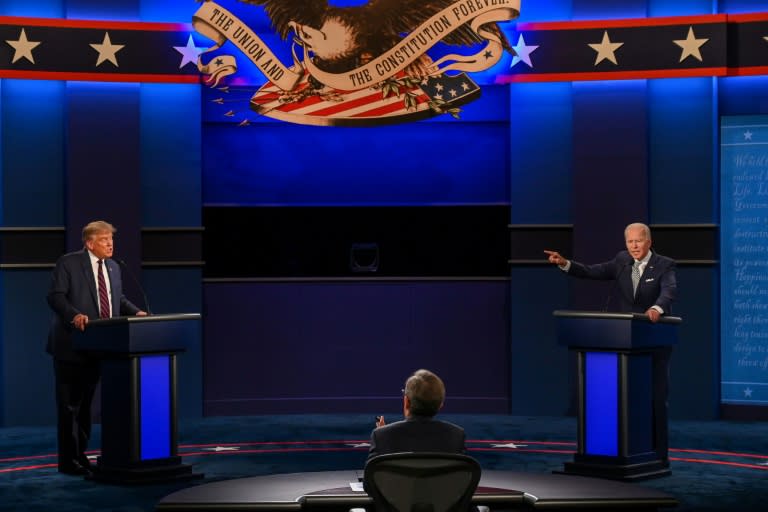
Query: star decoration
453, 93
223, 449
464, 86
23, 47
438, 96
360, 445
523, 52
747, 135
107, 50
508, 445
605, 49
487, 55
189, 53
439, 87
747, 392
690, 46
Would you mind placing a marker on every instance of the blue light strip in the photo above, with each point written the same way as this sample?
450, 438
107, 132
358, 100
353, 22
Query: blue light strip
601, 419
155, 409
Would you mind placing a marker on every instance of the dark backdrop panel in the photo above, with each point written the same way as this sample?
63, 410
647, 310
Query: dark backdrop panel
695, 362
348, 347
610, 174
539, 366
354, 242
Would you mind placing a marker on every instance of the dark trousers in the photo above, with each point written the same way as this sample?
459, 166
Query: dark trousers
75, 385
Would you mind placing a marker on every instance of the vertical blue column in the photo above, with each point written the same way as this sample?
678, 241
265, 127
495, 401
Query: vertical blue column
601, 418
155, 389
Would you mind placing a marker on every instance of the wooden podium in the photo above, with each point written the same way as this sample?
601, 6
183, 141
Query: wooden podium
623, 381
139, 437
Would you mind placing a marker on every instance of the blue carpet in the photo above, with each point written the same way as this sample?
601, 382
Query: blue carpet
716, 466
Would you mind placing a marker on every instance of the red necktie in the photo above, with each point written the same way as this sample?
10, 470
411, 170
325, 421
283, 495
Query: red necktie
103, 295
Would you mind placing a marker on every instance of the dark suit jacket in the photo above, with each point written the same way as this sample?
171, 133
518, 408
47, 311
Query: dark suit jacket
658, 285
417, 434
72, 291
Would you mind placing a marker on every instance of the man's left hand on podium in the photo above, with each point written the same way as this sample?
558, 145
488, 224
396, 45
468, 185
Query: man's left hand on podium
653, 315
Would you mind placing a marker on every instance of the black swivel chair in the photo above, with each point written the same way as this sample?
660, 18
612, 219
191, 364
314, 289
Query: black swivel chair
421, 482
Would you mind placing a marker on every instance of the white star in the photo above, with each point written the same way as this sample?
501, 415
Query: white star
605, 49
23, 48
690, 46
464, 86
107, 50
747, 135
438, 96
189, 53
360, 445
523, 52
508, 445
223, 449
453, 93
747, 392
439, 87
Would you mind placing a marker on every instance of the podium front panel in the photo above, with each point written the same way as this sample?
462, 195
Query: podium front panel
155, 401
601, 383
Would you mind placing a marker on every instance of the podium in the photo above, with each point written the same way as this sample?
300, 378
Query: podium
139, 431
623, 382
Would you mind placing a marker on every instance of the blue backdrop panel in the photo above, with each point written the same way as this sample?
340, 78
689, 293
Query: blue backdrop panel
657, 8
38, 8
411, 164
743, 95
348, 347
744, 239
541, 134
33, 153
298, 165
682, 137
171, 148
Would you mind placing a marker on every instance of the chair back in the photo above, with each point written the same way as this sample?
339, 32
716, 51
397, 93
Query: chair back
421, 482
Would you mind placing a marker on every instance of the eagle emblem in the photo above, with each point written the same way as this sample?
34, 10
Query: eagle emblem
366, 64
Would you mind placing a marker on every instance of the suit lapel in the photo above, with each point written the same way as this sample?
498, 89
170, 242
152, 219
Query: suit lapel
90, 278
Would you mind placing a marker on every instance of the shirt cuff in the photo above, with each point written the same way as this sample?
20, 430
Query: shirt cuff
567, 266
657, 308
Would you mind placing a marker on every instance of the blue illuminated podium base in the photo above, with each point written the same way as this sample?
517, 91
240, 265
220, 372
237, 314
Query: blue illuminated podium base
139, 431
623, 367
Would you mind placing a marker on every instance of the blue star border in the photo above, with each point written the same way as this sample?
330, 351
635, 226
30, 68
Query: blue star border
664, 47
707, 45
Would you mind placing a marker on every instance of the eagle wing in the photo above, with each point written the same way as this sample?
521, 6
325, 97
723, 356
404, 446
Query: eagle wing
402, 16
282, 12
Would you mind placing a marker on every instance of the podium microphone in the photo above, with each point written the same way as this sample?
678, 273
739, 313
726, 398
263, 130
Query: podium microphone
133, 277
613, 288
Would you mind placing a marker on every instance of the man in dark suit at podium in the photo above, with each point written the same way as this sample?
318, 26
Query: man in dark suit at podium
423, 397
647, 285
646, 280
85, 285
